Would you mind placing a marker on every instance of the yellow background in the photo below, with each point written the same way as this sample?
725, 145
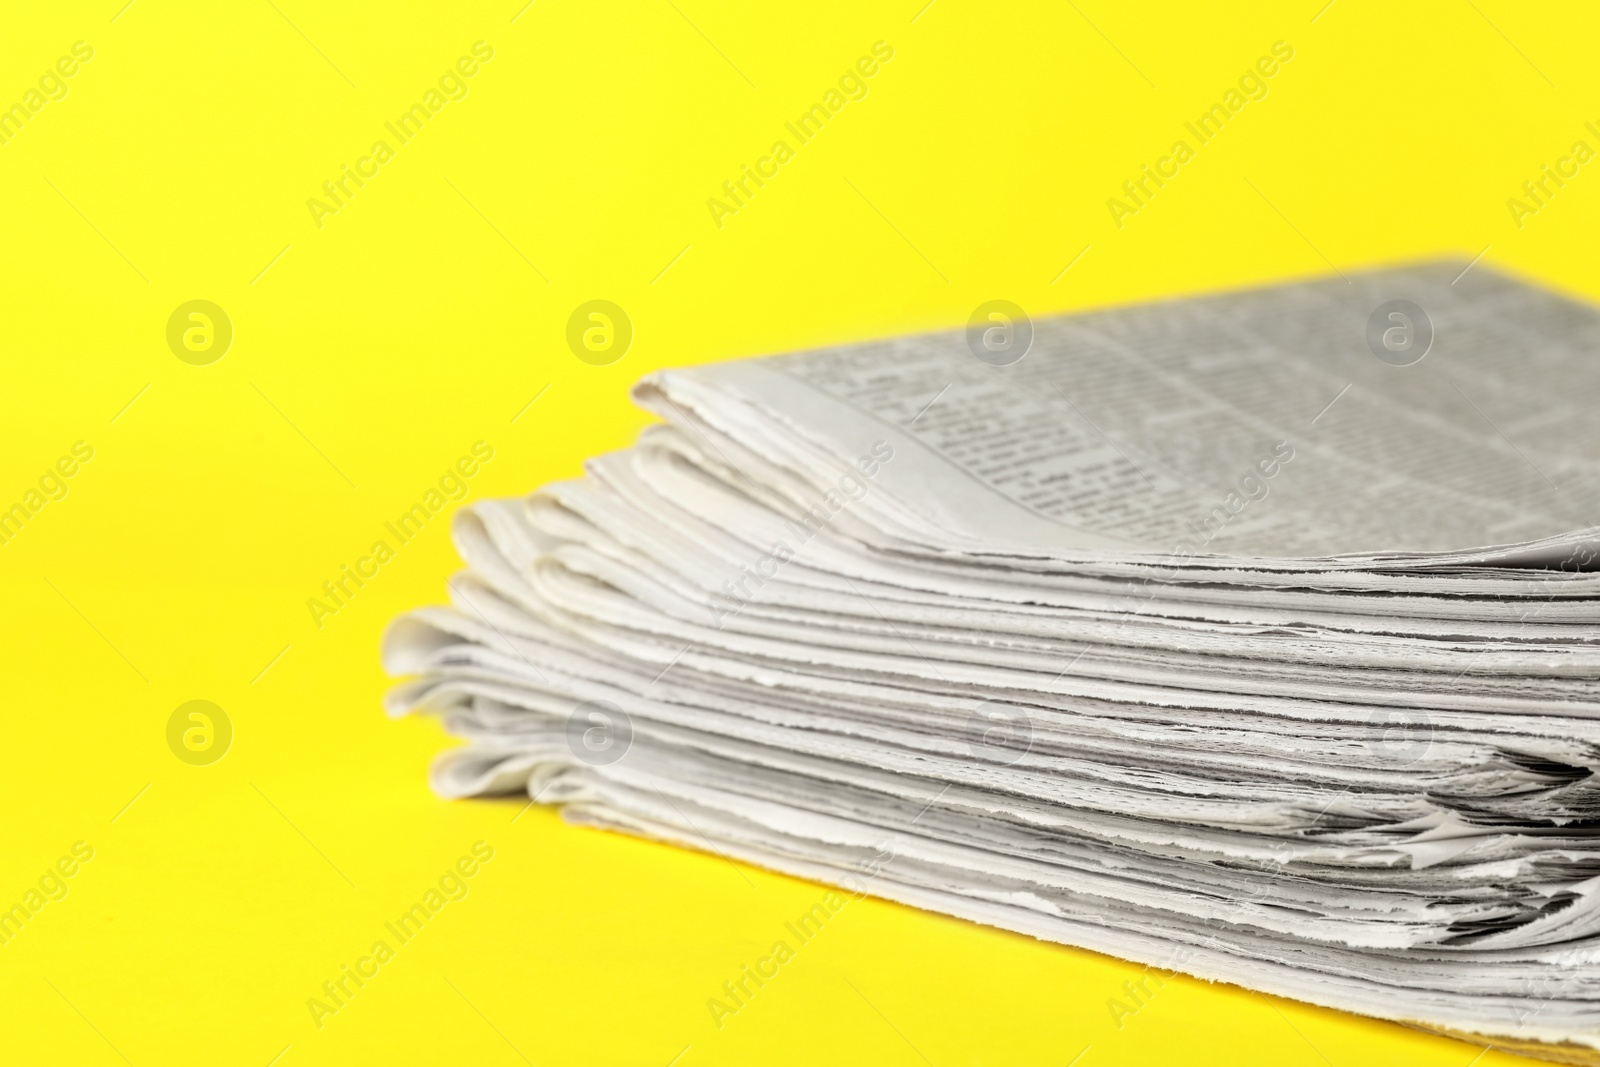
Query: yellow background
375, 350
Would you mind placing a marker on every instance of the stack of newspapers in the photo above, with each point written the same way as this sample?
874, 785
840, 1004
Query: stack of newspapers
1250, 636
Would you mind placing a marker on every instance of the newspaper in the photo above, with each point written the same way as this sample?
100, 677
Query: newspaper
1197, 635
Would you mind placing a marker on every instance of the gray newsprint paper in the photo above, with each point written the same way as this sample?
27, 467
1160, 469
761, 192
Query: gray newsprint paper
1204, 634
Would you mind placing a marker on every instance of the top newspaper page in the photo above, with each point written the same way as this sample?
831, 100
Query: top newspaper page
1420, 414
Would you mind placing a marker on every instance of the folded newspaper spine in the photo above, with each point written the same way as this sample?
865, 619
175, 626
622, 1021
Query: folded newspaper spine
1190, 633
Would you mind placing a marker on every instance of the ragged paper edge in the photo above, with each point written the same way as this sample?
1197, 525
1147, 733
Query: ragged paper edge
1565, 1052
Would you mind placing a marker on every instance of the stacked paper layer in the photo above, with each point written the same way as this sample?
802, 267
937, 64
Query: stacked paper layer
1199, 633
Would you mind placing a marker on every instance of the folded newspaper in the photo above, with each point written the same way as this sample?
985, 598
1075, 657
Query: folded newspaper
1249, 636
